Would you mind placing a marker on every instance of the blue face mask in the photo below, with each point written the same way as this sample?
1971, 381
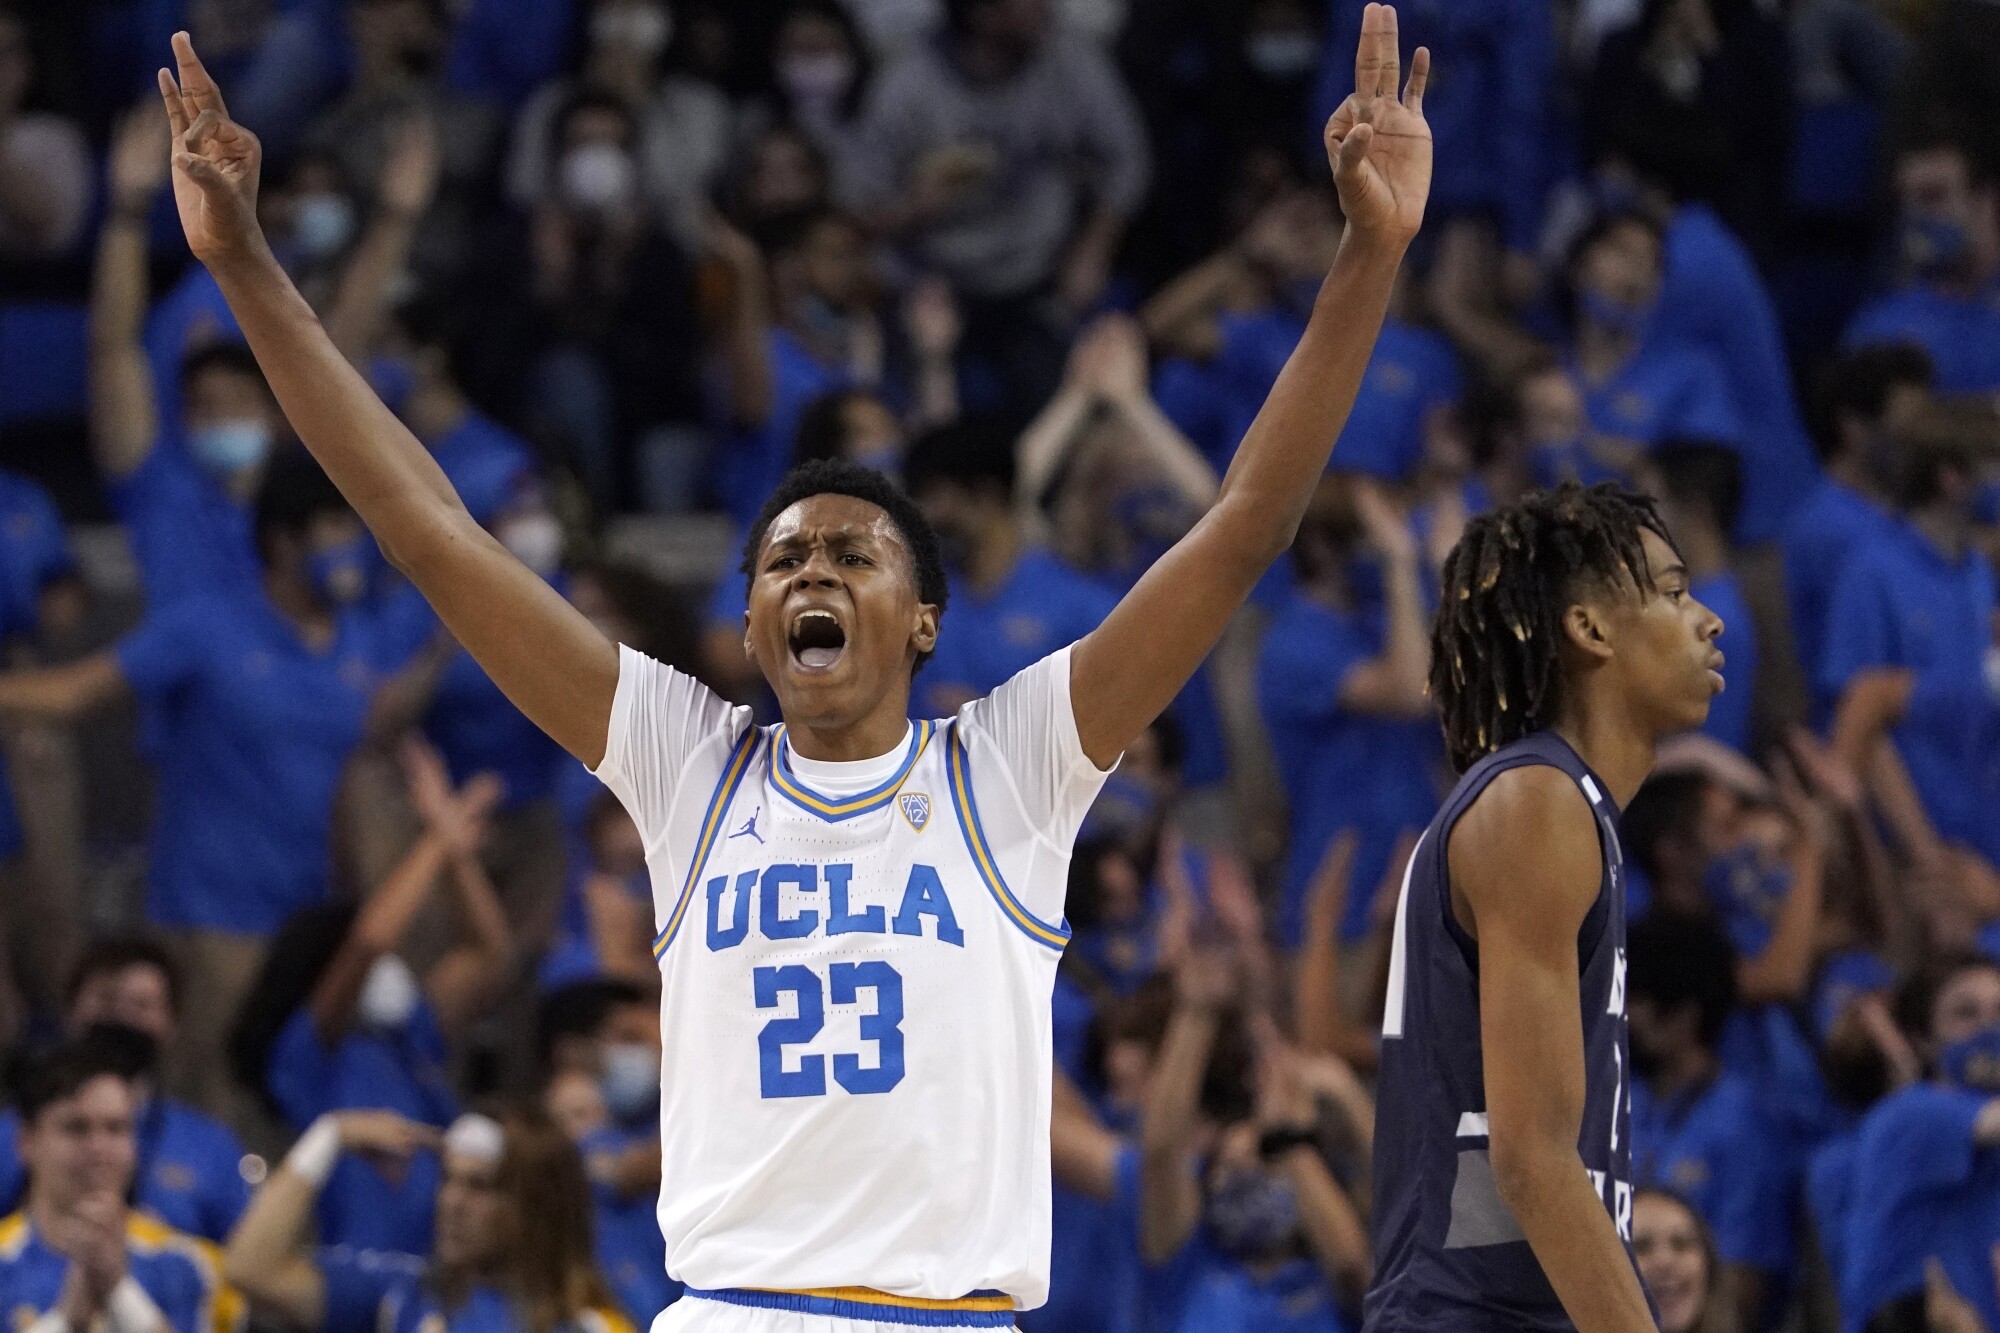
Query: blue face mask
228, 447
340, 573
1973, 1062
1252, 1215
1630, 320
395, 379
1933, 247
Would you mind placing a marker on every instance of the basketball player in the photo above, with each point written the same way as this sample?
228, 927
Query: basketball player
860, 917
1566, 645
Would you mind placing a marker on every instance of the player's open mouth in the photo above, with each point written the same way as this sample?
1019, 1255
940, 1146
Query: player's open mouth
817, 640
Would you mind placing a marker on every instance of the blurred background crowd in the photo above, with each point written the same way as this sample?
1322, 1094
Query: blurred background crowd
272, 848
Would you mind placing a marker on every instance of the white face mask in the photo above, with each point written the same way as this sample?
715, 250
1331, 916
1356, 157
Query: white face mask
389, 996
535, 539
598, 176
631, 1081
322, 223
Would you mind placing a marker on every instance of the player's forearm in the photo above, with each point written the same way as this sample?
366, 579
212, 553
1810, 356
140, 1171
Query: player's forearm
1575, 1241
391, 480
122, 415
1284, 453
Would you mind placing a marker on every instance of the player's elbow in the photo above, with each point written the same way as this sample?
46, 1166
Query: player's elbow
1525, 1168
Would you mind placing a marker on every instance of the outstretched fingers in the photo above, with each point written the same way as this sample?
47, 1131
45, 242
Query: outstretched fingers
1388, 59
1420, 75
196, 85
177, 111
1368, 54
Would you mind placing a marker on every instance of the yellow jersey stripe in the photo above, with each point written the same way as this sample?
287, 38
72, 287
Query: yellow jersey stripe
982, 855
870, 1296
718, 806
860, 803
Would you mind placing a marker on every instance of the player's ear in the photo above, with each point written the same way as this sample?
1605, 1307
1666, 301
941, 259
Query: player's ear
749, 645
1583, 629
924, 632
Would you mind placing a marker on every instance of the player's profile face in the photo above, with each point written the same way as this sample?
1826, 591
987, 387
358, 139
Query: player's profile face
834, 618
1665, 643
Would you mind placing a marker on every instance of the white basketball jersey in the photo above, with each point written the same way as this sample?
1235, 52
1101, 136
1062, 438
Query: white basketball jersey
856, 989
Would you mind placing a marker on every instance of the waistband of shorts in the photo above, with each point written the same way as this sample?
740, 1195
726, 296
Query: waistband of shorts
980, 1309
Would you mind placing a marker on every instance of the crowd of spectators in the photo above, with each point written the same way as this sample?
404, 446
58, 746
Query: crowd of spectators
327, 978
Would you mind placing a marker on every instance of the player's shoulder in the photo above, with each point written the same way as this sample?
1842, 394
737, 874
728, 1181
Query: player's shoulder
1527, 814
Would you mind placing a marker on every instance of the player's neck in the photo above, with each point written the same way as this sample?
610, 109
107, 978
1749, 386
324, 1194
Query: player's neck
1617, 749
869, 738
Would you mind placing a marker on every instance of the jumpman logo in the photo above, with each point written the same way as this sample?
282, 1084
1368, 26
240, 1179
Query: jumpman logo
749, 829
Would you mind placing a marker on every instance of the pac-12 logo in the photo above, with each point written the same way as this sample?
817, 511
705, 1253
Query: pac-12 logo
916, 807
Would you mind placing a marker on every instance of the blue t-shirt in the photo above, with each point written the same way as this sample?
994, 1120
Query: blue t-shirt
485, 463
190, 537
400, 1071
1712, 1146
255, 730
1830, 1199
1712, 299
1962, 336
1729, 712
1412, 373
1902, 603
1663, 393
1830, 524
1228, 1298
630, 1250
1921, 1189
1341, 770
182, 1273
985, 641
189, 1174
753, 462
384, 1291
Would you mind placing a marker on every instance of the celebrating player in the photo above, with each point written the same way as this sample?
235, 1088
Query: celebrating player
860, 917
1566, 645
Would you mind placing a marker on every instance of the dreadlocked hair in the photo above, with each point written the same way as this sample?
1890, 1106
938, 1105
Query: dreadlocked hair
1504, 589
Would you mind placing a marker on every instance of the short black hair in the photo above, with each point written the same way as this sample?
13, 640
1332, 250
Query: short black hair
1860, 383
976, 452
295, 492
1675, 960
1666, 805
1707, 473
837, 476
1917, 997
579, 1010
220, 354
61, 1071
115, 953
1495, 672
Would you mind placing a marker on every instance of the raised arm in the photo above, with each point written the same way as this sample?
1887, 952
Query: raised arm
545, 656
403, 193
1169, 1166
123, 417
1126, 671
1526, 859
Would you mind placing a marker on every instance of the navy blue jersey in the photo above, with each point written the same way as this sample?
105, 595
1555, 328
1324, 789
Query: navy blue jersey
1449, 1253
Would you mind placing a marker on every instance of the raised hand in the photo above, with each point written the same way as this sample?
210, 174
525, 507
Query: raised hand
216, 162
1380, 145
138, 165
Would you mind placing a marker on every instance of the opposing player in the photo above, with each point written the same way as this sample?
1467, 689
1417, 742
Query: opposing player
859, 917
1566, 645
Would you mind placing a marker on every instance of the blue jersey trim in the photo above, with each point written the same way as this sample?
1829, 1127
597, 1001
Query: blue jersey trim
959, 774
711, 823
866, 1311
834, 809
